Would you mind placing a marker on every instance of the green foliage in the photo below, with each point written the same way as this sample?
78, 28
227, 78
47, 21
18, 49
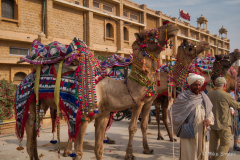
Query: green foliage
7, 94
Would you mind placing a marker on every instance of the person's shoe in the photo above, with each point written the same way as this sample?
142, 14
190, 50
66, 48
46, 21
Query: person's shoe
236, 148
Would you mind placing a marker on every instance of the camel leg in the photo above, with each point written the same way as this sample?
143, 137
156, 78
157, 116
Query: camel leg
31, 134
78, 144
66, 152
165, 115
132, 130
144, 126
157, 107
100, 127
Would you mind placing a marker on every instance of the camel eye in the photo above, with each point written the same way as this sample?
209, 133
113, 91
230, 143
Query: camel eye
190, 49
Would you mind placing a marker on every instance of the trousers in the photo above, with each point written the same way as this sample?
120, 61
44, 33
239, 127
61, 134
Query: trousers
219, 151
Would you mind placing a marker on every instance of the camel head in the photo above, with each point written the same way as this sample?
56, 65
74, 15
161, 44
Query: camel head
234, 56
153, 40
189, 50
171, 29
221, 65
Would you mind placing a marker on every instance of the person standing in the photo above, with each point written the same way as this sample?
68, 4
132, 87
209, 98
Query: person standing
235, 118
222, 101
191, 113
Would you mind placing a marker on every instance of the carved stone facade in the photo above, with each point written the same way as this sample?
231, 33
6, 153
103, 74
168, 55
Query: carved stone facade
87, 20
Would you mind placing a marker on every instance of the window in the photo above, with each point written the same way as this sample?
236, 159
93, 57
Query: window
18, 51
193, 35
125, 13
19, 76
125, 34
183, 32
7, 8
202, 38
107, 8
96, 4
109, 30
76, 2
133, 16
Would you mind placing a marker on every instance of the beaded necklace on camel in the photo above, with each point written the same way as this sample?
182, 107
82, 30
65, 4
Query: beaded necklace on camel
138, 73
180, 71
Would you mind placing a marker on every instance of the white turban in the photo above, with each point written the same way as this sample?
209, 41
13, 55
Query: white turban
194, 77
220, 81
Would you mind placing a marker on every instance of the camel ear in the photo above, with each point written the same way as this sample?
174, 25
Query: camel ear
137, 35
217, 57
184, 42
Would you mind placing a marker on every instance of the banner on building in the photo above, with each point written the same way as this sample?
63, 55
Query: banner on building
184, 16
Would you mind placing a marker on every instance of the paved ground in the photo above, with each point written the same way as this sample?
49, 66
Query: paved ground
163, 150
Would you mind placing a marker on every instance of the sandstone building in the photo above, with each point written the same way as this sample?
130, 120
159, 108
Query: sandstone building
107, 26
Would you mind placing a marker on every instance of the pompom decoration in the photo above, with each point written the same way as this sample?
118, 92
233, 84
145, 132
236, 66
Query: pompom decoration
165, 22
53, 141
91, 114
73, 155
105, 141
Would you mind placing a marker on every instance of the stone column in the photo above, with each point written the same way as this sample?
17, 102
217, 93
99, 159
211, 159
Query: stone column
48, 19
120, 35
89, 23
89, 3
144, 15
159, 21
175, 46
120, 9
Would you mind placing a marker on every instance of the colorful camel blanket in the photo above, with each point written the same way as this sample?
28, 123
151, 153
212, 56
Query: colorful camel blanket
78, 99
116, 60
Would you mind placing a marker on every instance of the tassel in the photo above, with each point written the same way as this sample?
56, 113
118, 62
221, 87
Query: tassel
20, 145
87, 119
73, 154
53, 141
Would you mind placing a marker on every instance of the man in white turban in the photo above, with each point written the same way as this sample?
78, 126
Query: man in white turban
191, 112
221, 130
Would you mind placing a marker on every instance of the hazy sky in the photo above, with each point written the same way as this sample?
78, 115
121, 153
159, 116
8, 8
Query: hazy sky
218, 13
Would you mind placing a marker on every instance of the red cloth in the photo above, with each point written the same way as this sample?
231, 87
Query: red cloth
204, 86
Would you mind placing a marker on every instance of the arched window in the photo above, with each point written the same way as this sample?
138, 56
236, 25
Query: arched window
125, 34
7, 8
109, 30
19, 76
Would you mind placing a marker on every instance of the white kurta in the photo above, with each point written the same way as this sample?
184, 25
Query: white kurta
191, 148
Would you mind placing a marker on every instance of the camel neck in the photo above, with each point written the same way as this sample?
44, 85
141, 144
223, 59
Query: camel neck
141, 75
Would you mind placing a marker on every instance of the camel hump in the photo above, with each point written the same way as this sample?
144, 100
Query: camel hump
53, 52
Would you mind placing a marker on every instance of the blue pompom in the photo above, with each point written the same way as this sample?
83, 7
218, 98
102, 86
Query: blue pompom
144, 54
53, 141
96, 111
73, 155
105, 141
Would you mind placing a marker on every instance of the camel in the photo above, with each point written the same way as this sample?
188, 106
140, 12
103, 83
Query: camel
221, 65
186, 61
110, 98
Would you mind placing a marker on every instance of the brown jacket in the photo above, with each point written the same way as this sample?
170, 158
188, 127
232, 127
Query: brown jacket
222, 101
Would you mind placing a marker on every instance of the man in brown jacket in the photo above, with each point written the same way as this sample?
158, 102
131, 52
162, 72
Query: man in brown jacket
222, 101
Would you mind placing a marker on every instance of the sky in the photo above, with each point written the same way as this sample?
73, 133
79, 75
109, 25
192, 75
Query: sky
218, 13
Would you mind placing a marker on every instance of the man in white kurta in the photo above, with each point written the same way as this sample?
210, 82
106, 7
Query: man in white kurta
191, 112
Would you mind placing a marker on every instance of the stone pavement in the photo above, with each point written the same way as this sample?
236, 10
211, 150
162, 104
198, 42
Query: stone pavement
163, 149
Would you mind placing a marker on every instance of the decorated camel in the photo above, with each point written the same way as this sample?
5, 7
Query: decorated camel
220, 68
186, 54
82, 96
